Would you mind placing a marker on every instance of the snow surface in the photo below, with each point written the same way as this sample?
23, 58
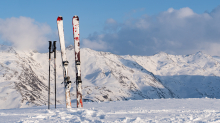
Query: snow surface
132, 111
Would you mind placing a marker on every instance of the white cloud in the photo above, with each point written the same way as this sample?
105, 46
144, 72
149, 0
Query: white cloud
96, 45
111, 21
142, 24
181, 13
173, 31
210, 48
111, 25
25, 33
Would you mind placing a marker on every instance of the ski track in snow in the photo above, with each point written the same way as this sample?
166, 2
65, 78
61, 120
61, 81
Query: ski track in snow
134, 111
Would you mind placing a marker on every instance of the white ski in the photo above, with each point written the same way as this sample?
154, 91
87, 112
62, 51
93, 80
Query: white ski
67, 82
77, 62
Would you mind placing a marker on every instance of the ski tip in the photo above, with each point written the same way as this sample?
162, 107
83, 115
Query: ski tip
77, 18
59, 18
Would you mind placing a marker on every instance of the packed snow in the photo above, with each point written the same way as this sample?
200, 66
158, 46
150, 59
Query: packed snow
132, 111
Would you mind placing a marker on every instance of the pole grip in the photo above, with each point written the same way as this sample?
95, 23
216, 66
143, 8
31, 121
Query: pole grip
50, 45
54, 48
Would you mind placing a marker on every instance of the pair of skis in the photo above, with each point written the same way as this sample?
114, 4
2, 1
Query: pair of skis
67, 82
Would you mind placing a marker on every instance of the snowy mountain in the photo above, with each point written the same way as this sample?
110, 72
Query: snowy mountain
107, 77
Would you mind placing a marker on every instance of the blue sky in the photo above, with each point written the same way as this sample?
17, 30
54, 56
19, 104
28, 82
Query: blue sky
101, 20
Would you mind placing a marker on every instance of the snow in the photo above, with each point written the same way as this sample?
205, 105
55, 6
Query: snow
134, 111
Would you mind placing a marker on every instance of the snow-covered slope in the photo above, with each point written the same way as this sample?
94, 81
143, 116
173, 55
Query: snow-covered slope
107, 77
188, 76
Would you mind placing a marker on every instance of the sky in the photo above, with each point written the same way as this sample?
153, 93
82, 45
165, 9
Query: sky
123, 27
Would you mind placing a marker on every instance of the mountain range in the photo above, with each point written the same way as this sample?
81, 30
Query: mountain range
106, 76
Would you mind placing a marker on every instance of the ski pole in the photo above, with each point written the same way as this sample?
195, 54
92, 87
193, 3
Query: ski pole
49, 75
54, 50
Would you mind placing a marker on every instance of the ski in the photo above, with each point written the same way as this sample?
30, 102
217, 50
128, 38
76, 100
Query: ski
67, 82
77, 61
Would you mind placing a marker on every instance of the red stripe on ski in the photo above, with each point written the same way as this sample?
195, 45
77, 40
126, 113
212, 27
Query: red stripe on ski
81, 102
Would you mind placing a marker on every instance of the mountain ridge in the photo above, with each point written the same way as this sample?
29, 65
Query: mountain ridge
107, 77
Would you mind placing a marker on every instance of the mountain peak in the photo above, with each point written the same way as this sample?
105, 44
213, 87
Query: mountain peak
199, 53
161, 54
70, 47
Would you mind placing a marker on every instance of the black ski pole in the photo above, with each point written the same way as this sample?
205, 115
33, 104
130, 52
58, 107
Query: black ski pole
50, 43
54, 50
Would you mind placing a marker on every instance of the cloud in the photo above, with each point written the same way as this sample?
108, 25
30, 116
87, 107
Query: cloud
98, 44
110, 21
173, 31
25, 33
110, 25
